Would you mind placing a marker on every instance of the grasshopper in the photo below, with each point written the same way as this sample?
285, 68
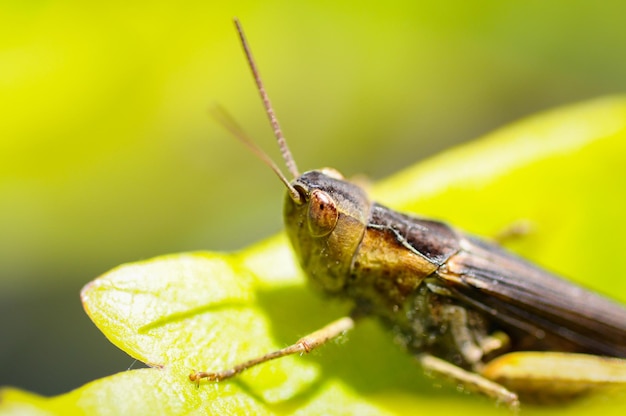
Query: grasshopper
465, 308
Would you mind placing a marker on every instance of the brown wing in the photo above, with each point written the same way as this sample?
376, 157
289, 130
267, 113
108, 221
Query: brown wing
522, 296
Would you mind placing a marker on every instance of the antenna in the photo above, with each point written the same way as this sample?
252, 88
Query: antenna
231, 125
282, 143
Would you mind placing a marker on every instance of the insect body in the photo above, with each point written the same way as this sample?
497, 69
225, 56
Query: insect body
462, 306
442, 292
408, 269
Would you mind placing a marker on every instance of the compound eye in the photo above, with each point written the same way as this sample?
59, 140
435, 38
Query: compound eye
323, 213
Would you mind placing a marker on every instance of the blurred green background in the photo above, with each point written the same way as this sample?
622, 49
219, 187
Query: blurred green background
108, 155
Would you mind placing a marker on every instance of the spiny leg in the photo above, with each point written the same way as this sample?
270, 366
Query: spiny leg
304, 345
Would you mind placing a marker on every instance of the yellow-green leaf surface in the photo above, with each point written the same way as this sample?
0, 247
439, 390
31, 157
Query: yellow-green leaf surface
563, 171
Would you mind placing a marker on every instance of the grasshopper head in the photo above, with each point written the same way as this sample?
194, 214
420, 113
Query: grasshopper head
325, 225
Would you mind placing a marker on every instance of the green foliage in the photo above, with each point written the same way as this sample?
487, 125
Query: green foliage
563, 171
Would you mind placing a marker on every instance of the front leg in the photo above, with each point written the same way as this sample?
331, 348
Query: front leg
304, 345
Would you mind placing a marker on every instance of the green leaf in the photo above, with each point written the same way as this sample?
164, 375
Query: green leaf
564, 171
